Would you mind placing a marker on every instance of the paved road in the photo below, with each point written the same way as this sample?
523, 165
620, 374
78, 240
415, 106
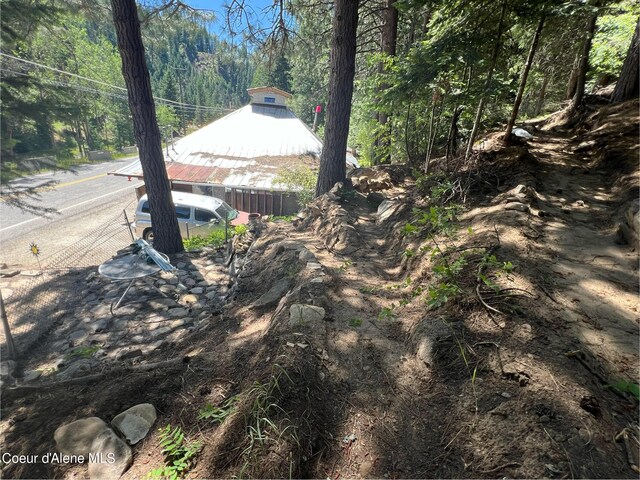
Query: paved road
84, 199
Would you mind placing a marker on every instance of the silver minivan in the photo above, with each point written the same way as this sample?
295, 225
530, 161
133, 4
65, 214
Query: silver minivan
197, 215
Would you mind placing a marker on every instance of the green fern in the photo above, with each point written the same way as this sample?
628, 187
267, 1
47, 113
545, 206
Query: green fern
217, 414
178, 455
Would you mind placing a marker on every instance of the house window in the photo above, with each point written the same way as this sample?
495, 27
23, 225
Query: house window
269, 99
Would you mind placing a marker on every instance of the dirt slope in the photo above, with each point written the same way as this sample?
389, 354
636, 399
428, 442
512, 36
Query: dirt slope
409, 343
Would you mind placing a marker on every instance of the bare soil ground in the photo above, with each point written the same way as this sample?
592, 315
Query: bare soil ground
509, 377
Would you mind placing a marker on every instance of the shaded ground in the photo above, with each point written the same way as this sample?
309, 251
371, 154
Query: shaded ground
509, 375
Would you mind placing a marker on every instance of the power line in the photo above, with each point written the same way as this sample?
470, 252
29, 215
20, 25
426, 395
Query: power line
159, 99
82, 88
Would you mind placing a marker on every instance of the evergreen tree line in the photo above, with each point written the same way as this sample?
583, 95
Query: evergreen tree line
62, 89
430, 74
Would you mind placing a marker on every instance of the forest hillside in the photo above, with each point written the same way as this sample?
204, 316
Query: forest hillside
481, 321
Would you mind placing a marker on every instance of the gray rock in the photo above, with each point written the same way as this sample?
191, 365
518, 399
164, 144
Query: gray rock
99, 326
31, 375
90, 298
189, 282
178, 312
160, 331
274, 294
300, 314
159, 303
101, 310
76, 369
135, 422
128, 353
6, 368
173, 280
76, 438
180, 265
197, 276
167, 288
517, 206
113, 454
387, 209
197, 290
306, 256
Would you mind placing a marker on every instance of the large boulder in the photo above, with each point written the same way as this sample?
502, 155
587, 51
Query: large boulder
111, 456
134, 423
305, 315
273, 295
76, 438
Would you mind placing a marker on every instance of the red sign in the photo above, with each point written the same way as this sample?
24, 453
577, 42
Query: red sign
318, 109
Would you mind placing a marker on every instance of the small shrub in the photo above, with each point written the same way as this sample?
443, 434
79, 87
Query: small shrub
441, 293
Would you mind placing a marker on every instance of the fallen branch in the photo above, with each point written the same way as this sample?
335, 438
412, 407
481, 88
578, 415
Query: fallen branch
631, 444
501, 467
143, 367
486, 305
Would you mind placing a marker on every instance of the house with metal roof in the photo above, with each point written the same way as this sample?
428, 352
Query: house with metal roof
240, 157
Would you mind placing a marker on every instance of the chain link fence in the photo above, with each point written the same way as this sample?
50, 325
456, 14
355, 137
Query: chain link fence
35, 306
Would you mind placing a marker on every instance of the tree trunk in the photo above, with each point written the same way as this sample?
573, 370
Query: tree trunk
452, 138
627, 84
342, 64
388, 45
427, 159
541, 95
492, 66
523, 80
136, 75
581, 79
573, 78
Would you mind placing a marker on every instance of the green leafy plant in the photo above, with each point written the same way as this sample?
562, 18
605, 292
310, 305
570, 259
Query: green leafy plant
178, 454
217, 414
300, 179
408, 252
83, 352
625, 386
215, 239
345, 265
240, 230
355, 322
441, 293
282, 218
368, 289
387, 313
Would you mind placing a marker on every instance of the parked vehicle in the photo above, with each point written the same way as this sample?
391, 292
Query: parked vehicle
197, 215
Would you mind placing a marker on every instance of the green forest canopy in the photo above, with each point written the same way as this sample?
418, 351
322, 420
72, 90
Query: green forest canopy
63, 92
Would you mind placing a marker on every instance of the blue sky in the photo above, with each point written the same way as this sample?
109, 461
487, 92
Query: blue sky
217, 6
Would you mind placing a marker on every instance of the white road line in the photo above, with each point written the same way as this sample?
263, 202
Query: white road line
67, 208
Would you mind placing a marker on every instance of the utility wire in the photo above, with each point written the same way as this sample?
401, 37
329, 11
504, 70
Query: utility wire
82, 88
159, 99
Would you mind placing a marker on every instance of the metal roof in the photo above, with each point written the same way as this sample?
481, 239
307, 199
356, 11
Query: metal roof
247, 148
